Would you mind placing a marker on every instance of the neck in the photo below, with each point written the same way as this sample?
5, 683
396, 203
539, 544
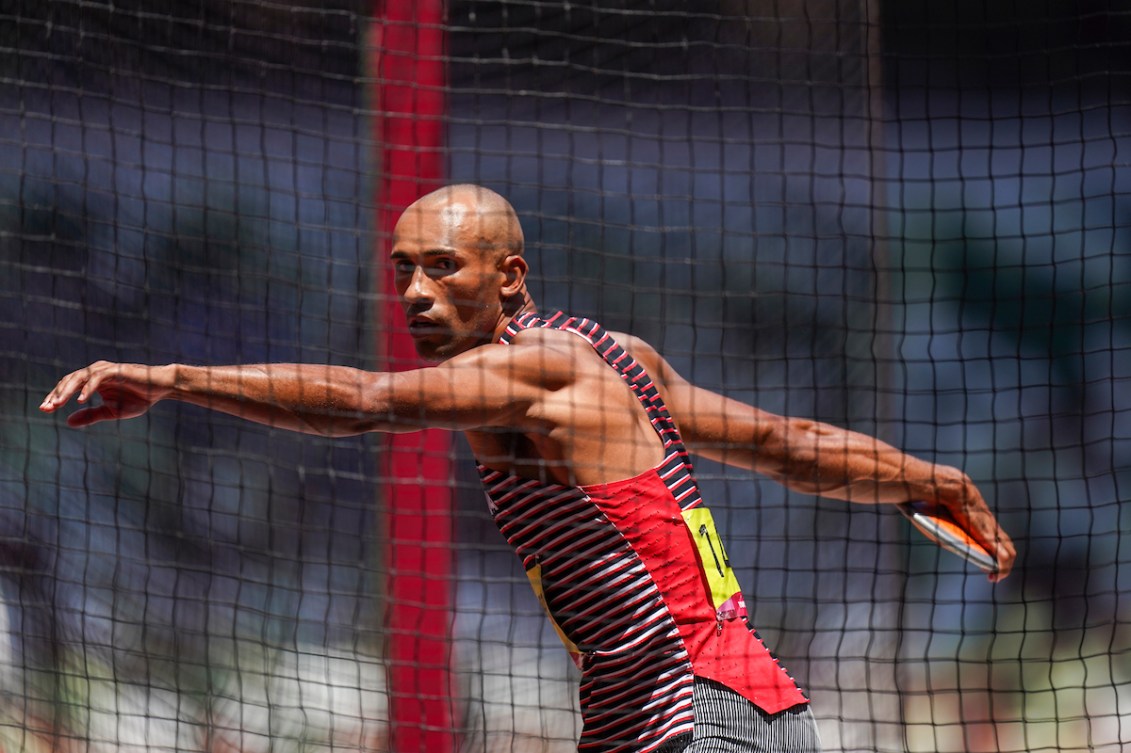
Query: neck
523, 304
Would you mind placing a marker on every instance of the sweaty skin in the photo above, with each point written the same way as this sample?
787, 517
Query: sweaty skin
544, 407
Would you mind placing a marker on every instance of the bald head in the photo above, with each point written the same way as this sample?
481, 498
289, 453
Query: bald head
458, 269
475, 216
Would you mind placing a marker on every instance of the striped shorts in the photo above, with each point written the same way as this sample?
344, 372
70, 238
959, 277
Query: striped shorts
725, 722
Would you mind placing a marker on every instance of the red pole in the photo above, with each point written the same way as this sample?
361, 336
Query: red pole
408, 69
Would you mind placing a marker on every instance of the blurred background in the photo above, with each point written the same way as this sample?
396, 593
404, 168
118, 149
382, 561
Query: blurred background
907, 218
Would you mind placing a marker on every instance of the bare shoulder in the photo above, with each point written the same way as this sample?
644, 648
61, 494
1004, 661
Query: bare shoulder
640, 349
554, 357
648, 356
568, 356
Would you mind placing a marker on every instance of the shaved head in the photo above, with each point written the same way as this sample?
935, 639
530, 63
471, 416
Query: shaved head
475, 215
458, 269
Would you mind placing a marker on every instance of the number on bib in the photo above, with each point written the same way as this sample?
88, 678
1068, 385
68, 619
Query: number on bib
726, 594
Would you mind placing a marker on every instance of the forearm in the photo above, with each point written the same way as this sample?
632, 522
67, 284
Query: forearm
314, 399
328, 400
810, 456
821, 459
818, 458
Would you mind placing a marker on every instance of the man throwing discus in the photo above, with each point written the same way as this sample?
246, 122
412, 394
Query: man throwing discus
583, 439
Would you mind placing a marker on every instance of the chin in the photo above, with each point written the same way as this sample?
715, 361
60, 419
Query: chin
428, 353
438, 352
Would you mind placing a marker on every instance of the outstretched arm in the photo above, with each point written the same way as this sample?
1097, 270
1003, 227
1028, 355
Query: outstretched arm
484, 387
312, 399
818, 458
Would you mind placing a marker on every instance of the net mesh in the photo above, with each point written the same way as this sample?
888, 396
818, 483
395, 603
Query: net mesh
910, 219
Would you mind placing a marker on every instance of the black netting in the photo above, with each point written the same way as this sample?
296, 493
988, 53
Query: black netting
906, 218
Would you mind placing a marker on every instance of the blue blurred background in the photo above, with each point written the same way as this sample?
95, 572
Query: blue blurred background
904, 218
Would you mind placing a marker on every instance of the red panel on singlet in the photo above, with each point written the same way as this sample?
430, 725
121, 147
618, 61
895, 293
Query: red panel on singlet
644, 512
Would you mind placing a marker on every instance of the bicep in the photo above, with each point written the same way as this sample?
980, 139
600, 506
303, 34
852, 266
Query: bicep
720, 427
711, 425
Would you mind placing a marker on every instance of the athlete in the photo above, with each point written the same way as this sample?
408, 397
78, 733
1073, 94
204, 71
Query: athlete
582, 438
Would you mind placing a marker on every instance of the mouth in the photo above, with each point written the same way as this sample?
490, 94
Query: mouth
420, 327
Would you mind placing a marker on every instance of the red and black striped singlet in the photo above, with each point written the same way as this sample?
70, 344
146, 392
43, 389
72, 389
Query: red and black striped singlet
636, 581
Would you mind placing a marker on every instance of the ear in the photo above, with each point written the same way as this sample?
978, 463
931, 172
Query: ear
515, 269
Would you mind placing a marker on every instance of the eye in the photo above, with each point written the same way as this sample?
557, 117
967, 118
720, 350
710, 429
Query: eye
443, 265
403, 267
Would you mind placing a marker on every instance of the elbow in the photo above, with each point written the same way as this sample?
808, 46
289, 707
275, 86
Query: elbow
379, 408
375, 409
352, 406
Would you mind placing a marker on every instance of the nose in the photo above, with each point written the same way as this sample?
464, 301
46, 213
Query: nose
419, 287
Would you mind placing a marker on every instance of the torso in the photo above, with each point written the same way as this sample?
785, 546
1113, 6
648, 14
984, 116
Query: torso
600, 503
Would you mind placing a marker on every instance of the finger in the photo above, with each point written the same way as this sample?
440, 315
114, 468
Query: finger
1001, 556
84, 383
88, 416
63, 391
93, 380
980, 522
1006, 555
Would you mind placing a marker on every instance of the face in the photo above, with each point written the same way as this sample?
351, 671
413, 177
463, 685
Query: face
451, 285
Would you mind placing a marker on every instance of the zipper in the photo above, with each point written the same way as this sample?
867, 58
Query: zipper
710, 545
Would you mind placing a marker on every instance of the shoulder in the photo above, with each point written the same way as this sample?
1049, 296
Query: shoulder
658, 368
538, 357
638, 348
546, 337
545, 343
567, 355
557, 357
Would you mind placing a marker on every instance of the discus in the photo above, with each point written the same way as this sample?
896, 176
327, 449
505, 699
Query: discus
938, 525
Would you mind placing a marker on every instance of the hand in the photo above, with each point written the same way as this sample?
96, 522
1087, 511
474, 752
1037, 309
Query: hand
965, 504
126, 390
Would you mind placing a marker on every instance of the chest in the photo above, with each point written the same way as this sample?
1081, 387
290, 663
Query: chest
515, 453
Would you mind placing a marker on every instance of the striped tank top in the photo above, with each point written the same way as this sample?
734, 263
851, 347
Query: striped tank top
635, 580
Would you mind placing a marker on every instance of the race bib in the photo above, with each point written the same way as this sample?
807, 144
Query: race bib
726, 595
